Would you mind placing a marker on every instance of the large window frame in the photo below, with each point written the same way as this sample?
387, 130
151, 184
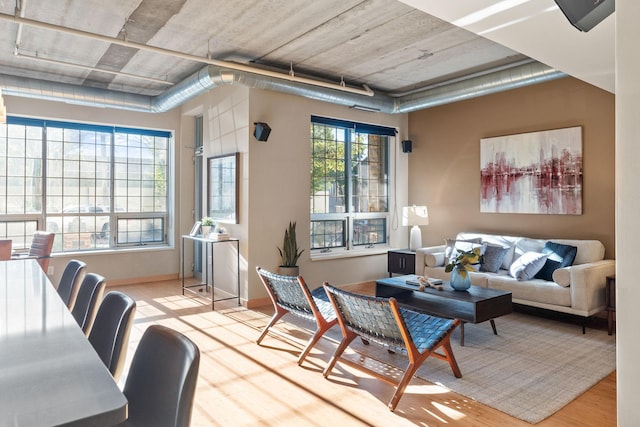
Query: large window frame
97, 187
349, 194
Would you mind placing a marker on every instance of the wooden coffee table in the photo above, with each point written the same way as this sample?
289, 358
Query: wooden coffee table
475, 305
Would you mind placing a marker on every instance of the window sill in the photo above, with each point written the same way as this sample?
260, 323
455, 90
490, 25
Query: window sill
342, 253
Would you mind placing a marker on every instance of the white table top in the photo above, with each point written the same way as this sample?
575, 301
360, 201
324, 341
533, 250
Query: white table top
49, 372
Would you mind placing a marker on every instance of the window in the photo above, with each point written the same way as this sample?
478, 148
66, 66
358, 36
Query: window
349, 184
96, 187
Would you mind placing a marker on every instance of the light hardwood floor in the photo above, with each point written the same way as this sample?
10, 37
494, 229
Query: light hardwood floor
243, 384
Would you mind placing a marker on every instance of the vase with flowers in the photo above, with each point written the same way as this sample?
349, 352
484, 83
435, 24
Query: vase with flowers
460, 266
207, 226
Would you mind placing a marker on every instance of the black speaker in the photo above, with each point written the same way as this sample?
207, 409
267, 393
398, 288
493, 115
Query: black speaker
406, 146
262, 131
586, 14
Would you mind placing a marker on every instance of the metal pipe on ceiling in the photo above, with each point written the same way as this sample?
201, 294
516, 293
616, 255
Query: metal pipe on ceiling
210, 77
231, 65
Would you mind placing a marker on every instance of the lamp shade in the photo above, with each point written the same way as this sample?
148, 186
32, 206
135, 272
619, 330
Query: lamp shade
415, 215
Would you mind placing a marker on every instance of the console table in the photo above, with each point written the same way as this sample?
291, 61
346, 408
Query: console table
208, 244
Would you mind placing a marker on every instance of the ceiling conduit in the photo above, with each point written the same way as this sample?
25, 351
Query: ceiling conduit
212, 76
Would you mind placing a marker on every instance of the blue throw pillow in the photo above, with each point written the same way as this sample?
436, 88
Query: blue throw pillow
492, 258
559, 256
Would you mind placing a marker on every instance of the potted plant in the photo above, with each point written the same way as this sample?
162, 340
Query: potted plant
206, 223
460, 266
289, 253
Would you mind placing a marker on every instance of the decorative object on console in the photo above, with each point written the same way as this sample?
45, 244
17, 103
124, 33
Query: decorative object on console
289, 253
460, 267
415, 216
207, 225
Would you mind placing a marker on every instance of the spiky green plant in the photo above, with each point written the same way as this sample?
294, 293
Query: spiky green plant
289, 253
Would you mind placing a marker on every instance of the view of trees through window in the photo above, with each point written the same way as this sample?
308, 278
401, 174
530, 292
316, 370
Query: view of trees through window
349, 184
96, 187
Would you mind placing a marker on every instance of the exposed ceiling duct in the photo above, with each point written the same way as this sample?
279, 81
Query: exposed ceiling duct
212, 76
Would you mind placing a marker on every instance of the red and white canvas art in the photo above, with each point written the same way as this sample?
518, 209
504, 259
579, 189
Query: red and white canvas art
532, 173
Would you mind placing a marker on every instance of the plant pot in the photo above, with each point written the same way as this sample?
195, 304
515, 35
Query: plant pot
206, 230
289, 271
458, 281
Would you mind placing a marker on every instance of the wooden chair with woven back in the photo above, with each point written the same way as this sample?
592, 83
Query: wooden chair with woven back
290, 294
384, 321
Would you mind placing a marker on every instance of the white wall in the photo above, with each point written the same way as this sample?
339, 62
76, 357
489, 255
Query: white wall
627, 208
123, 266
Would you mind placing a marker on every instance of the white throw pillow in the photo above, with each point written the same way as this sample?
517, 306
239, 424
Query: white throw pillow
525, 267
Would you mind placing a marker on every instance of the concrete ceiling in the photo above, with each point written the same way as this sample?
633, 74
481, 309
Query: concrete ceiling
393, 47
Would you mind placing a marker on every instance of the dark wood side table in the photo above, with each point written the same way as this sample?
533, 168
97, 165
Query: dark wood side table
610, 300
401, 261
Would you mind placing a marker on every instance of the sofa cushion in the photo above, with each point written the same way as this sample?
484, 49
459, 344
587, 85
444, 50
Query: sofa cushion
536, 290
434, 259
454, 245
527, 265
559, 256
588, 250
493, 258
562, 276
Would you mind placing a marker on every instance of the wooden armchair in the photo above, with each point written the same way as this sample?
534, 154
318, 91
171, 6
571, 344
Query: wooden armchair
383, 321
291, 294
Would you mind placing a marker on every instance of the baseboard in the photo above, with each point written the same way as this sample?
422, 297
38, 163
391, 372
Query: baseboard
141, 280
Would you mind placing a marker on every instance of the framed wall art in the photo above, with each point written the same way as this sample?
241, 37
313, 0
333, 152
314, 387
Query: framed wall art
223, 188
532, 173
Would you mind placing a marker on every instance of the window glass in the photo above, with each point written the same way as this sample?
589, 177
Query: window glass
349, 184
98, 178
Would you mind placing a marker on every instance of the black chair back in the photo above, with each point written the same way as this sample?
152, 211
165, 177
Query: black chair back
110, 331
70, 281
161, 383
88, 300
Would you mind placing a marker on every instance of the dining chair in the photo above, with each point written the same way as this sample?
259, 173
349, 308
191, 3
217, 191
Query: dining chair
40, 249
161, 382
87, 302
384, 321
109, 335
70, 282
290, 294
5, 249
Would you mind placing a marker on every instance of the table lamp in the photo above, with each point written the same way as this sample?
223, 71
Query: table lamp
415, 216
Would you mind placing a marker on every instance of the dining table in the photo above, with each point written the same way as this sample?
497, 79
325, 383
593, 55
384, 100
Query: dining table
50, 375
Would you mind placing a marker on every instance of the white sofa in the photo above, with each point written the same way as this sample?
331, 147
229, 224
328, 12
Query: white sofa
577, 289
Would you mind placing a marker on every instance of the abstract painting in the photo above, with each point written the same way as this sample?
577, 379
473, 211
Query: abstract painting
532, 173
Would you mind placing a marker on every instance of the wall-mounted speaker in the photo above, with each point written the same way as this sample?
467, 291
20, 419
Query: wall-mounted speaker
262, 131
407, 146
586, 14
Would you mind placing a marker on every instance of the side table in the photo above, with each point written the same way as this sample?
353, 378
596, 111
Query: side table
401, 261
610, 301
208, 244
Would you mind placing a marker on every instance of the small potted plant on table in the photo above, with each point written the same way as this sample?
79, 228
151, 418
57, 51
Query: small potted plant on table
289, 253
207, 224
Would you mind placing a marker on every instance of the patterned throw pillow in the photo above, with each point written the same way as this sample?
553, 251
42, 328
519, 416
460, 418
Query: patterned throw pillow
493, 257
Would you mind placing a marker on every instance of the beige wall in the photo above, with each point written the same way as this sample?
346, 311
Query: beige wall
444, 168
280, 182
